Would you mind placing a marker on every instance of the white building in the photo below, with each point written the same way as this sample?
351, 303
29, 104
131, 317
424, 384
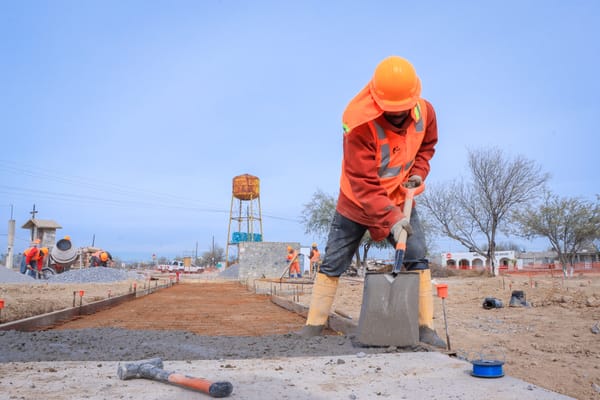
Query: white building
469, 260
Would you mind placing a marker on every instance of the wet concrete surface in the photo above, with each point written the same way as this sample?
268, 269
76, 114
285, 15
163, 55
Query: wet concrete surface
122, 344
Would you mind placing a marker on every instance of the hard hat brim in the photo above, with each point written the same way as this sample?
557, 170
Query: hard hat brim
396, 106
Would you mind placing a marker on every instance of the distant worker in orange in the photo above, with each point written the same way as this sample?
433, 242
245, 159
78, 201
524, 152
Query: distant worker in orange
100, 259
292, 257
315, 259
29, 260
40, 261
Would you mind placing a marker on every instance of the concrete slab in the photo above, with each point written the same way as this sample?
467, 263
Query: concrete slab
358, 376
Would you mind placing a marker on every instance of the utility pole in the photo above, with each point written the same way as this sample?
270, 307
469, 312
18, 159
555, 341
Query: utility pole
34, 229
11, 239
212, 252
33, 212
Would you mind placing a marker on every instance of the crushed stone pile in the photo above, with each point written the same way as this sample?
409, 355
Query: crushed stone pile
93, 275
232, 272
13, 276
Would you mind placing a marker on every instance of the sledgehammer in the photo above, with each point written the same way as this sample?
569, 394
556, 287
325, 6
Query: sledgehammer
152, 369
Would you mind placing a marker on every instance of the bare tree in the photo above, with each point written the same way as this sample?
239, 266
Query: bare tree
317, 216
568, 223
468, 210
213, 256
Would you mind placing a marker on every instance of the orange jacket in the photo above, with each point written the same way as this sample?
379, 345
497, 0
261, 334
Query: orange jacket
378, 158
31, 254
293, 255
40, 260
315, 255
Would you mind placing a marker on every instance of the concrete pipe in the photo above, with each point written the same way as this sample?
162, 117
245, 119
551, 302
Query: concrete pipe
63, 255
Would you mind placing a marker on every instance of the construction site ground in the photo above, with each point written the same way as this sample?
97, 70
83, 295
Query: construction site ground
223, 330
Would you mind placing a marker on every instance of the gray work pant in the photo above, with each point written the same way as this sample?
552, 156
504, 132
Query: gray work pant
345, 236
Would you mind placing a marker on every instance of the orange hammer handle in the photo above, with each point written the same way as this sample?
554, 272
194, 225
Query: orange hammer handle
214, 389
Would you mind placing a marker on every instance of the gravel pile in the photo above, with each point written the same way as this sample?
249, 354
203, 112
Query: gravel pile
93, 275
14, 276
232, 272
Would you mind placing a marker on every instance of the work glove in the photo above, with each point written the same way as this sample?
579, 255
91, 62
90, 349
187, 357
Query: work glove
414, 181
398, 227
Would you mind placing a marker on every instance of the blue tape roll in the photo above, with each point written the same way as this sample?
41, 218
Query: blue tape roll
487, 368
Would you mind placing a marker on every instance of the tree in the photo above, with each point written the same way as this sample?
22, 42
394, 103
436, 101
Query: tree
467, 210
213, 256
569, 224
317, 216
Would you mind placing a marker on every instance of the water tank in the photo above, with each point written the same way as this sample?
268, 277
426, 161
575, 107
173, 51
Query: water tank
246, 187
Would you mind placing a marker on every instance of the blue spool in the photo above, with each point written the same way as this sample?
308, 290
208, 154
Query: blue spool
487, 368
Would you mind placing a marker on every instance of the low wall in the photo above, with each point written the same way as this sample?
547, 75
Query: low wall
263, 259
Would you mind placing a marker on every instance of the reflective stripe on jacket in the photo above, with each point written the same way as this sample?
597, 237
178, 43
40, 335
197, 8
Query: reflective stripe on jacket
395, 156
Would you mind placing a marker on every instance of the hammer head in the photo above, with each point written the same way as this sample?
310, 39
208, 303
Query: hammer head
133, 369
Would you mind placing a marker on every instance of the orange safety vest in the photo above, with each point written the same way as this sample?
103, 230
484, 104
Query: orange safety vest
315, 255
395, 156
292, 256
31, 254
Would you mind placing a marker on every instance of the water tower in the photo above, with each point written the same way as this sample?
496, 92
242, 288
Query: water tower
245, 219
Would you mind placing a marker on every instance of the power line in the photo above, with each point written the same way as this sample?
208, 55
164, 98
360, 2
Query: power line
149, 199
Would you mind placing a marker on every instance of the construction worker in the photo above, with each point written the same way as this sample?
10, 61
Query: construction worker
30, 256
100, 259
40, 261
390, 134
315, 259
292, 257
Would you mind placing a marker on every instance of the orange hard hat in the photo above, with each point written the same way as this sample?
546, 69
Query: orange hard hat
103, 256
36, 241
395, 85
44, 250
289, 248
67, 237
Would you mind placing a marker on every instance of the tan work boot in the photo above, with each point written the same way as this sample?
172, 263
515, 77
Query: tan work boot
323, 294
427, 333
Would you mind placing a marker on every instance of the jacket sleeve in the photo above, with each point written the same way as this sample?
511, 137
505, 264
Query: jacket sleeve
360, 165
427, 149
32, 255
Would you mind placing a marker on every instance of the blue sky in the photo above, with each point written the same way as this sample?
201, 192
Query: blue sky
126, 121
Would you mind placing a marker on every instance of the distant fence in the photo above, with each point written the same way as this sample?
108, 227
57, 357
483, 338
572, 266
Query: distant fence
539, 269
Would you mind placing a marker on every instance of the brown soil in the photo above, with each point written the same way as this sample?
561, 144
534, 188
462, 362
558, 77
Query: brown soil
550, 344
212, 309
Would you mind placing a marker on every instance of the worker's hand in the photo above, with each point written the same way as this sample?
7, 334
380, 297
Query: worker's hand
398, 227
414, 181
